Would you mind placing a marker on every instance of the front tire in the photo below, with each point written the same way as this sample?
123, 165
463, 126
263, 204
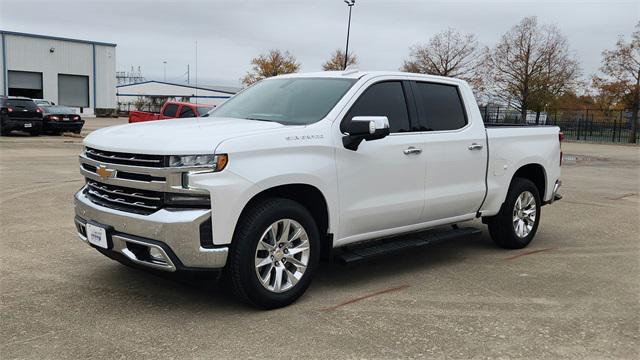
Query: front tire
517, 222
274, 254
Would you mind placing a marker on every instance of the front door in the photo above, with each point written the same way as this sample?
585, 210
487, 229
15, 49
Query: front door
382, 184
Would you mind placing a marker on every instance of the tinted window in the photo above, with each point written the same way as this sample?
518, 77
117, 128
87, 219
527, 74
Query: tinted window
383, 99
291, 101
187, 112
57, 110
170, 110
439, 107
21, 104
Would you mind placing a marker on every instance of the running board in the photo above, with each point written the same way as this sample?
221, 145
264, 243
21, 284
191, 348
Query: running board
368, 250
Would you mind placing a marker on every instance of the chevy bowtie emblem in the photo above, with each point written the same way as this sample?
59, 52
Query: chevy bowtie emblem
104, 172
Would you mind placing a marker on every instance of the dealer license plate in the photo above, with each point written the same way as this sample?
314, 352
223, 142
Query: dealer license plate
97, 235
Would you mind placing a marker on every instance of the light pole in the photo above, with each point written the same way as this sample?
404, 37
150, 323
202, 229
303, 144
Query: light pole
165, 70
350, 4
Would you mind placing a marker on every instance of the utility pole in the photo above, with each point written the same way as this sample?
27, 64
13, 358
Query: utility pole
188, 80
350, 4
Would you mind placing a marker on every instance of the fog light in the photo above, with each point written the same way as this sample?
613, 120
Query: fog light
156, 254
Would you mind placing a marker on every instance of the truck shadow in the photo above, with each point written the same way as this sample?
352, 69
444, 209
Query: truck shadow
205, 291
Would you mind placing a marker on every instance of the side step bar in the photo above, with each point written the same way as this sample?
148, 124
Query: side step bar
365, 251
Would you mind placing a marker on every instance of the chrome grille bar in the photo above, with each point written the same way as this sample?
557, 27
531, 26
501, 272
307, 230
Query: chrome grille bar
137, 195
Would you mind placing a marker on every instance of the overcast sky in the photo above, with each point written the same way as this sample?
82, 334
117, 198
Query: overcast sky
229, 33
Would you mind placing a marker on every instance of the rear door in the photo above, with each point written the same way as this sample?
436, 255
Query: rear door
454, 148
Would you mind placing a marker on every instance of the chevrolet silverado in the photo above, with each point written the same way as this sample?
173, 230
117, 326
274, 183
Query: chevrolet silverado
301, 165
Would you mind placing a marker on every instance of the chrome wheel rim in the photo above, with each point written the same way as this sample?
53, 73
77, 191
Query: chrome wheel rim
524, 214
282, 255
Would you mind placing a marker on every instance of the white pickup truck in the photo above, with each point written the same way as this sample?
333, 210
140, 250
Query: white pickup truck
301, 165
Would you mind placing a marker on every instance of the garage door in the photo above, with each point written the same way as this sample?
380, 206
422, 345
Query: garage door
73, 90
25, 83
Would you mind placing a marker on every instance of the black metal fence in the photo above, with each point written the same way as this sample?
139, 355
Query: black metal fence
612, 126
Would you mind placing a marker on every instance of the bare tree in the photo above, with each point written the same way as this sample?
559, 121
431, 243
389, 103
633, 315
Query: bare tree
337, 61
530, 66
448, 53
621, 66
273, 63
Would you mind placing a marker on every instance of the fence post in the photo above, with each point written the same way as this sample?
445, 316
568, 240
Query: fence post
497, 113
485, 113
613, 138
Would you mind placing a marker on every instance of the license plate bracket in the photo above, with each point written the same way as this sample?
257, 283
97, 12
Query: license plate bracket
98, 235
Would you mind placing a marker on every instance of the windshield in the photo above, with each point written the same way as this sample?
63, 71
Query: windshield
296, 101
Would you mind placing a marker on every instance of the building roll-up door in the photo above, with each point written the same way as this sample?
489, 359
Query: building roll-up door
73, 90
25, 80
25, 83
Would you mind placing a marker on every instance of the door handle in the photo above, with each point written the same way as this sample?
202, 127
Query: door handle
475, 146
411, 150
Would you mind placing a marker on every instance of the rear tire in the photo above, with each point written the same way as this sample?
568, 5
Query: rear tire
265, 268
517, 222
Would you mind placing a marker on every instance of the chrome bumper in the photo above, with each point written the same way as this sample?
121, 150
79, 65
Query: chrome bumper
174, 233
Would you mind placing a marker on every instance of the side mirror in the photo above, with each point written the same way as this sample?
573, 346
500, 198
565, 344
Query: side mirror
365, 128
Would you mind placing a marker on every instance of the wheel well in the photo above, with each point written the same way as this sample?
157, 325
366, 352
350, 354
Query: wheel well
308, 196
535, 173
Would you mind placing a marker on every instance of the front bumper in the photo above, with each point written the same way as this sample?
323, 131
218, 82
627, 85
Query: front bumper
173, 233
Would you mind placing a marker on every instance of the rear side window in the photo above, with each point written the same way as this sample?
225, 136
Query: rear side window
439, 107
22, 104
187, 112
383, 99
170, 110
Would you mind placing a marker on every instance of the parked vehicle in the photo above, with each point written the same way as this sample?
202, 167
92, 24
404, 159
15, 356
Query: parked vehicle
307, 164
58, 119
19, 113
43, 102
171, 110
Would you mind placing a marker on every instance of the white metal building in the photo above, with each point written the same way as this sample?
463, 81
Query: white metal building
71, 72
128, 94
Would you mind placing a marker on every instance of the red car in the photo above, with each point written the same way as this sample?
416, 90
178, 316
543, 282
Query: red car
171, 110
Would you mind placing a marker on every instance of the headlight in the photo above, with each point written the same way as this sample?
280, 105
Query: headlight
216, 162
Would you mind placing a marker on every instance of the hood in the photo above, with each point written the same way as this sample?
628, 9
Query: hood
175, 136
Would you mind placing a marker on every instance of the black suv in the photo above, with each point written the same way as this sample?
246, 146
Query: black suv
19, 113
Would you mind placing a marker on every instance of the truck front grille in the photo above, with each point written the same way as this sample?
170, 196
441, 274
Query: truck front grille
156, 161
124, 198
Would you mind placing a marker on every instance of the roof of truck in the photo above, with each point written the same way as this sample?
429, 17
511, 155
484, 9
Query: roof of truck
357, 74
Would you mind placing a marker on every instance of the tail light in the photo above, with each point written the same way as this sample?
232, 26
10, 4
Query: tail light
560, 139
10, 109
54, 117
76, 117
39, 110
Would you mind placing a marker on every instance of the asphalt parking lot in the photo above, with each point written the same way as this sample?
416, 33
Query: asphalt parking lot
574, 293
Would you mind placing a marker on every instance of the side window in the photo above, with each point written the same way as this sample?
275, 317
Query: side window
439, 107
170, 110
383, 99
187, 112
